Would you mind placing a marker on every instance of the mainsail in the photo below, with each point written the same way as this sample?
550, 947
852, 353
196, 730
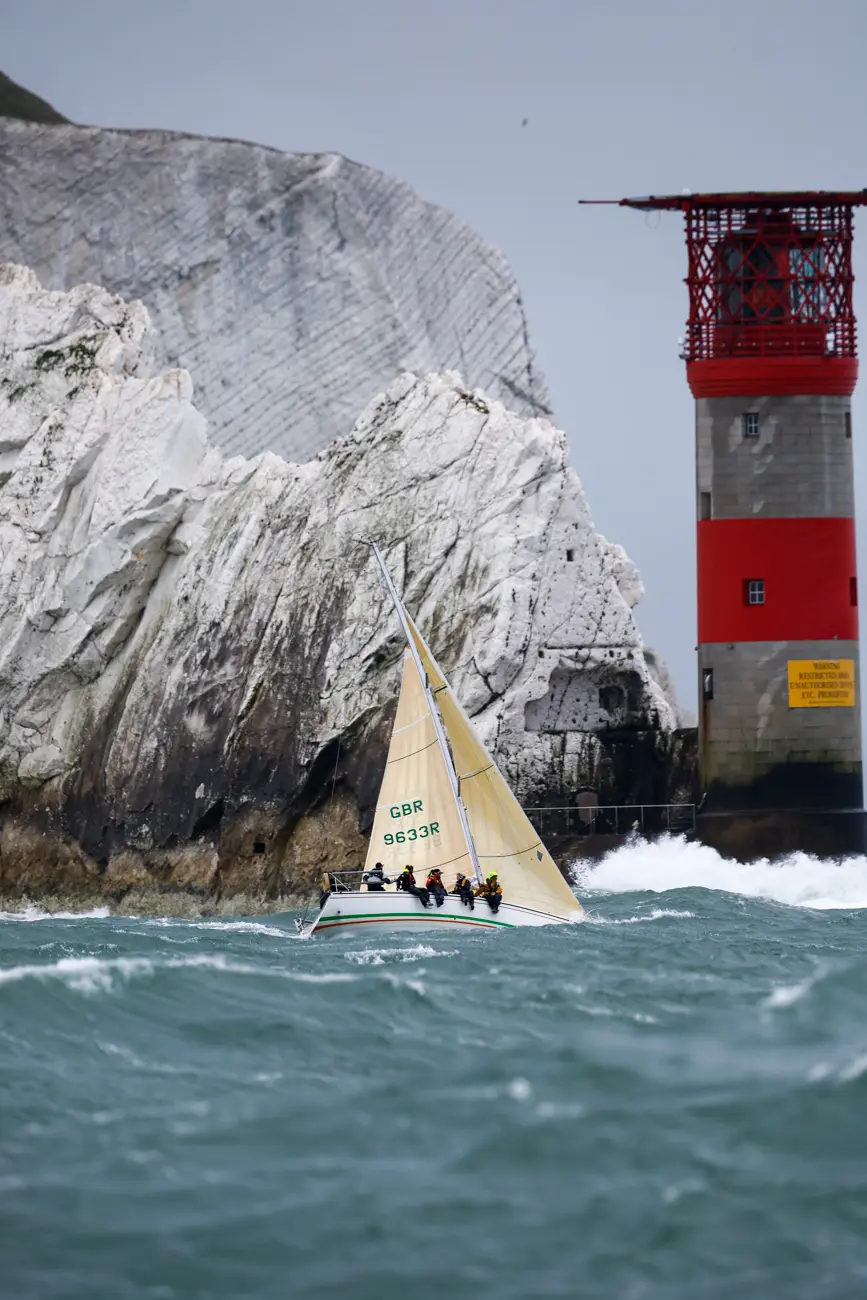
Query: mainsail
505, 840
416, 818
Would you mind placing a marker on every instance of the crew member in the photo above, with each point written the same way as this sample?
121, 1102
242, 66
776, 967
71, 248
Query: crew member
406, 882
376, 879
435, 884
490, 890
464, 890
324, 889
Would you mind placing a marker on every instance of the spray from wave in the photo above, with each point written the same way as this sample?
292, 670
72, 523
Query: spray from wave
248, 927
32, 913
99, 974
382, 956
667, 864
658, 914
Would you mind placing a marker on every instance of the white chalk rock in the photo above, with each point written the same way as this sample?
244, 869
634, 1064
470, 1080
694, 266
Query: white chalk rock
294, 287
179, 631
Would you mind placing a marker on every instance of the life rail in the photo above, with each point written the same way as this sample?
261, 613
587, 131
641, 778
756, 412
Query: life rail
342, 881
352, 882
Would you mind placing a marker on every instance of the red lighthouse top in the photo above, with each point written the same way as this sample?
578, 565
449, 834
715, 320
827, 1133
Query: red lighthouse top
770, 290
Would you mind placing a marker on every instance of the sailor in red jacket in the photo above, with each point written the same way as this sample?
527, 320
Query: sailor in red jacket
435, 884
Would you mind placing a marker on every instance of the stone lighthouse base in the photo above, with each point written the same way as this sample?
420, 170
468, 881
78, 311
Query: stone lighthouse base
775, 833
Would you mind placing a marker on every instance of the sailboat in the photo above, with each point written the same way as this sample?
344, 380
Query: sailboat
444, 804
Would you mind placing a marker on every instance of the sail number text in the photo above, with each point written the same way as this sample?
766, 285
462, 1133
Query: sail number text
413, 832
421, 833
405, 809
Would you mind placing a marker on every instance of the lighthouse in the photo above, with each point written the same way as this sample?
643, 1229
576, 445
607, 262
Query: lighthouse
771, 360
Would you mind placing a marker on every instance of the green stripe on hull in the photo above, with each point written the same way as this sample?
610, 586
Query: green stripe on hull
366, 919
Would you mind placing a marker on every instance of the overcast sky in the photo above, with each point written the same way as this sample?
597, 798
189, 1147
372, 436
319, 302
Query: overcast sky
622, 96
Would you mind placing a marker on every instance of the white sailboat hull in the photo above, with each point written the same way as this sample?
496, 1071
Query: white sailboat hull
400, 911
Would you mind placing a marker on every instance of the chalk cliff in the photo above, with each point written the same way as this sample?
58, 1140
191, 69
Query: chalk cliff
294, 287
197, 658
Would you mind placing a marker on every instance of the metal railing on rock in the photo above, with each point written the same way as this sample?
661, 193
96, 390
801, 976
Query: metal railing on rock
614, 819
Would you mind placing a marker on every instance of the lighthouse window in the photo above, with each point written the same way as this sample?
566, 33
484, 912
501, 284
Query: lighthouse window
806, 266
847, 423
751, 283
750, 424
754, 591
707, 684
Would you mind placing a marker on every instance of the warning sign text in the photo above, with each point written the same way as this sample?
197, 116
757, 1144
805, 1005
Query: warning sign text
821, 683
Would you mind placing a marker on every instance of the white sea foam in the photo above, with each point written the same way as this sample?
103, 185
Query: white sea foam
404, 982
31, 913
248, 927
824, 1071
612, 1013
382, 956
123, 1052
86, 974
244, 927
854, 1069
559, 1110
520, 1089
99, 974
786, 995
676, 1191
669, 863
657, 914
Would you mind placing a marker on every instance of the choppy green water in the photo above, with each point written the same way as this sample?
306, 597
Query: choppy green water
670, 1101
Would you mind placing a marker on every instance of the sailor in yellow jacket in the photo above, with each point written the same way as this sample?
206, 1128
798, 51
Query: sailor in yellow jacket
491, 891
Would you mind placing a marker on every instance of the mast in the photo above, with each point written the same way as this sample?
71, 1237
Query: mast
434, 712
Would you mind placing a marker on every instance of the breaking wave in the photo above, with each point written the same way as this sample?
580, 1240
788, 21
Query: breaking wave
241, 927
786, 995
658, 914
31, 913
666, 864
100, 974
383, 956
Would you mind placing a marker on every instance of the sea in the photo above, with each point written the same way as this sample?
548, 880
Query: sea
667, 1101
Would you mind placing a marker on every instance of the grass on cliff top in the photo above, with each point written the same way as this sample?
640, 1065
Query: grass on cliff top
15, 101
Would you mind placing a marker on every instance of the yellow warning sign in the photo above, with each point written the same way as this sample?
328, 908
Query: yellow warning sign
821, 683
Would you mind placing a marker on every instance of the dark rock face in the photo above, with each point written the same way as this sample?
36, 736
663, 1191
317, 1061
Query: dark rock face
774, 833
17, 102
645, 780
